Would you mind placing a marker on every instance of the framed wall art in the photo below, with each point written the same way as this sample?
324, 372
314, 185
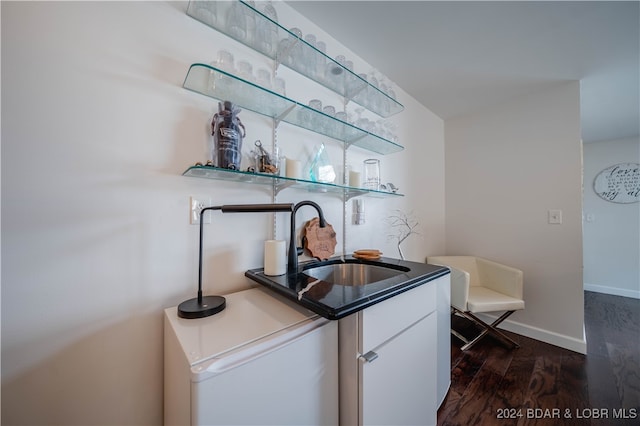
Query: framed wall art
619, 183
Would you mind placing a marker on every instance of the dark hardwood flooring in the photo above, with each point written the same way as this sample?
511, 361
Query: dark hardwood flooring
542, 384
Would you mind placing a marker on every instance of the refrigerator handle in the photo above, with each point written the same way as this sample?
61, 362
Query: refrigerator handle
369, 356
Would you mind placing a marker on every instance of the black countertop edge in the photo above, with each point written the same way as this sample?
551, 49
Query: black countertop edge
332, 313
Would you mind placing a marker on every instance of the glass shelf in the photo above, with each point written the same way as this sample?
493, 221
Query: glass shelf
281, 182
288, 48
213, 82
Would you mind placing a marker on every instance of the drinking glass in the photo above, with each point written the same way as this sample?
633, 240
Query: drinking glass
316, 104
263, 78
245, 70
236, 22
225, 61
372, 174
330, 110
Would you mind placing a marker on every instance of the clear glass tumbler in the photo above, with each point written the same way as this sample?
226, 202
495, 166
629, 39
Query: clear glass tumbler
371, 174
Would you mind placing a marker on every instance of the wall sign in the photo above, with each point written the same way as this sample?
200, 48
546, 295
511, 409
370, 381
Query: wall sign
619, 183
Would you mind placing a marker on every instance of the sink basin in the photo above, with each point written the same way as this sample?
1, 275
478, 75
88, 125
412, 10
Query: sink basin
337, 287
353, 273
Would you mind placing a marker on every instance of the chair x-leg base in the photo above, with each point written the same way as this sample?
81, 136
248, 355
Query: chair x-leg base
486, 329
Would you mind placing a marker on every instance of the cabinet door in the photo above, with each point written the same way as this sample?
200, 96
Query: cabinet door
399, 386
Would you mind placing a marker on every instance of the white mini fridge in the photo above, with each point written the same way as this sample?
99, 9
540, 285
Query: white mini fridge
261, 361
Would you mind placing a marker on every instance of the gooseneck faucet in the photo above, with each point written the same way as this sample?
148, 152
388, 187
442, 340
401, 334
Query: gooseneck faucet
292, 261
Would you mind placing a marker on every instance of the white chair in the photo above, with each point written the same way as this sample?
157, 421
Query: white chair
480, 285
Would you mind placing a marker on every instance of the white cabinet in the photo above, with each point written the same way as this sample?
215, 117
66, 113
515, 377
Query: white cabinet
388, 360
397, 387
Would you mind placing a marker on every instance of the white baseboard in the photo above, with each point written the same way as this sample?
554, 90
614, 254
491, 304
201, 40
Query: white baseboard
614, 291
567, 342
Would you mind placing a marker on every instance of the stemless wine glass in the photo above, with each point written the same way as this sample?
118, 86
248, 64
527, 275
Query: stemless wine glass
263, 78
245, 70
225, 61
236, 22
316, 104
330, 110
372, 174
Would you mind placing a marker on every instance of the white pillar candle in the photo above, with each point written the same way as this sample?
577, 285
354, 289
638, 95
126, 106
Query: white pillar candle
293, 169
275, 257
354, 179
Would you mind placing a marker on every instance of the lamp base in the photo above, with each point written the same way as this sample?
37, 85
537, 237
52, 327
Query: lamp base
210, 305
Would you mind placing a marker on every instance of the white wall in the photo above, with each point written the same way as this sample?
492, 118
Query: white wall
611, 230
505, 168
96, 131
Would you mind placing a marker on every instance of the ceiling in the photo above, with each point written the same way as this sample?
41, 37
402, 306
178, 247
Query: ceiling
457, 57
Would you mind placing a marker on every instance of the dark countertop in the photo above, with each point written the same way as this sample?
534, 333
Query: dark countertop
334, 301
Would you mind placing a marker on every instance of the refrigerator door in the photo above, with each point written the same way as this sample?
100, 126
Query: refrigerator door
294, 382
262, 360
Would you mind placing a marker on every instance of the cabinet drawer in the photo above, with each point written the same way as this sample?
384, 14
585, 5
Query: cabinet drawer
386, 319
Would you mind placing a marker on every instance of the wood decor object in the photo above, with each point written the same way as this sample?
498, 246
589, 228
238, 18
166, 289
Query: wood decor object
367, 254
319, 242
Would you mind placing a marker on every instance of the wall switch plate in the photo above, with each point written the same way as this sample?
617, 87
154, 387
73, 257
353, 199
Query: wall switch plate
554, 216
195, 205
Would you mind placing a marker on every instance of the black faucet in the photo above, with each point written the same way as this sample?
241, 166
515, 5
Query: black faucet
292, 263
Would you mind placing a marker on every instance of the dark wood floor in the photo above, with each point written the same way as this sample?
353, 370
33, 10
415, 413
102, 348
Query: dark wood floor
542, 384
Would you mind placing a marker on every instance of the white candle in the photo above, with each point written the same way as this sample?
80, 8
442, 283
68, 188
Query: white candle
354, 179
275, 257
294, 169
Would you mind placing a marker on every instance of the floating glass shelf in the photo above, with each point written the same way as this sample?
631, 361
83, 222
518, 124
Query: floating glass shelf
282, 182
288, 48
216, 83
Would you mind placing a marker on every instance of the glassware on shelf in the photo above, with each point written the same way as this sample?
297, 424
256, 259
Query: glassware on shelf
321, 61
218, 82
245, 71
225, 61
330, 110
236, 22
265, 162
263, 78
310, 55
290, 50
205, 11
250, 18
316, 104
255, 24
334, 73
371, 174
262, 101
266, 31
330, 126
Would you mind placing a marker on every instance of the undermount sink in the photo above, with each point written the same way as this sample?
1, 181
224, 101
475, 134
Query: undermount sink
352, 272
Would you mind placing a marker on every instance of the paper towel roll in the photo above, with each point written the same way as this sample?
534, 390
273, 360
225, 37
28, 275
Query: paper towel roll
294, 169
275, 257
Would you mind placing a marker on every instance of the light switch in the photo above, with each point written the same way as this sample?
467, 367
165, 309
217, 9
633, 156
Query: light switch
554, 216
